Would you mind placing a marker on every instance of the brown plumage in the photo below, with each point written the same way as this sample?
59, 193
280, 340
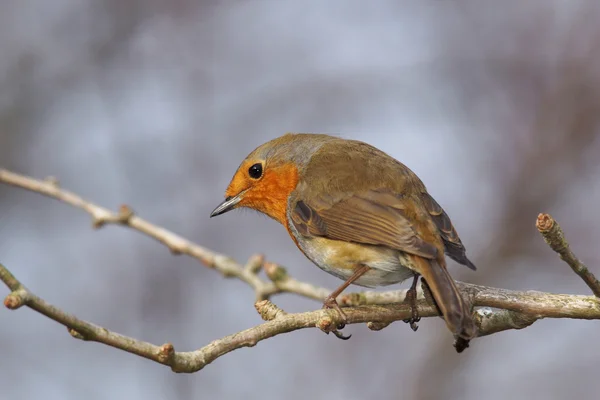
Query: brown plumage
357, 213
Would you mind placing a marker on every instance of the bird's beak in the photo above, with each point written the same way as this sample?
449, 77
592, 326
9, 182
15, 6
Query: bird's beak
227, 205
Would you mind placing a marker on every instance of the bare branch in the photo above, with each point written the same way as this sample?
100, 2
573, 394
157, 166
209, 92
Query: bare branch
514, 310
520, 309
554, 236
228, 267
175, 243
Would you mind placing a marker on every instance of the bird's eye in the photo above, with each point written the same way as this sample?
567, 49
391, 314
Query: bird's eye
255, 171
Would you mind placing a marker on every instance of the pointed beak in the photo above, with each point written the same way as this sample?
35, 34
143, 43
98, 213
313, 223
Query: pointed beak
227, 205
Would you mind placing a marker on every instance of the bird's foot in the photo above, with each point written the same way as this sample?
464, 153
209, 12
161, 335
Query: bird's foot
411, 298
331, 303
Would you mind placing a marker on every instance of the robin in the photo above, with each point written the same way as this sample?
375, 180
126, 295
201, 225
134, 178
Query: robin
358, 214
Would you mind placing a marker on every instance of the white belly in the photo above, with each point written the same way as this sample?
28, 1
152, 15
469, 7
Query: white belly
342, 258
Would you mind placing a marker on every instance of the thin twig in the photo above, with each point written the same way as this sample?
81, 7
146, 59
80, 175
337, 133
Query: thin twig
519, 310
554, 236
125, 216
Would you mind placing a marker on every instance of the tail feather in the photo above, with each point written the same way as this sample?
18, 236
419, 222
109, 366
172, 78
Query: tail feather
447, 297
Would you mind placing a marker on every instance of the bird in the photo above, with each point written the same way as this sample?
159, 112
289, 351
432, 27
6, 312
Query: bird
358, 214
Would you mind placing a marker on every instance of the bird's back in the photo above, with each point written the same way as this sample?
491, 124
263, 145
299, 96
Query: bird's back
358, 167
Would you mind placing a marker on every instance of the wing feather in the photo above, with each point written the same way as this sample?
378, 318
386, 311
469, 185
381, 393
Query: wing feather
374, 217
452, 244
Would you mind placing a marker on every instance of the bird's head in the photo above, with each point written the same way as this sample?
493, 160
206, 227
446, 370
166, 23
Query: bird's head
268, 175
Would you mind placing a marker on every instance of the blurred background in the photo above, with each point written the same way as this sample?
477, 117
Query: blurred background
154, 103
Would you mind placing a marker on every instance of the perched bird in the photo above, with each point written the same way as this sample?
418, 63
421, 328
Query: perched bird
358, 214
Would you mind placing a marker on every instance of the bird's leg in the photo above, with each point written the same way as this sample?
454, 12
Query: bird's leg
411, 298
331, 302
428, 295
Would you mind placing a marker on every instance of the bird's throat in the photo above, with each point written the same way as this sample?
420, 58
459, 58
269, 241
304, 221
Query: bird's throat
271, 196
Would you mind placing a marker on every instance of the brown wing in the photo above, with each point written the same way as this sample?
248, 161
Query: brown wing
452, 244
373, 217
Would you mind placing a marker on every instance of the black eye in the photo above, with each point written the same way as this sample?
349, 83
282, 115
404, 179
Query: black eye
255, 171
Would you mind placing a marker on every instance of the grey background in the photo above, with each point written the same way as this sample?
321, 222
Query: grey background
154, 104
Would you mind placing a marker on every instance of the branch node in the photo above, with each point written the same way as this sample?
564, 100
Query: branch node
166, 353
377, 326
255, 263
327, 323
125, 214
102, 217
268, 311
76, 334
275, 273
16, 299
353, 299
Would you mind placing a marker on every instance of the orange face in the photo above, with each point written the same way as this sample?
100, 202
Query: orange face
262, 187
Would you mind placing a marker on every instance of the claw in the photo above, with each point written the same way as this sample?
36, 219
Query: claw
329, 303
340, 335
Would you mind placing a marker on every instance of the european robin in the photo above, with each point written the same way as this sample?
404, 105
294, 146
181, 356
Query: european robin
358, 214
